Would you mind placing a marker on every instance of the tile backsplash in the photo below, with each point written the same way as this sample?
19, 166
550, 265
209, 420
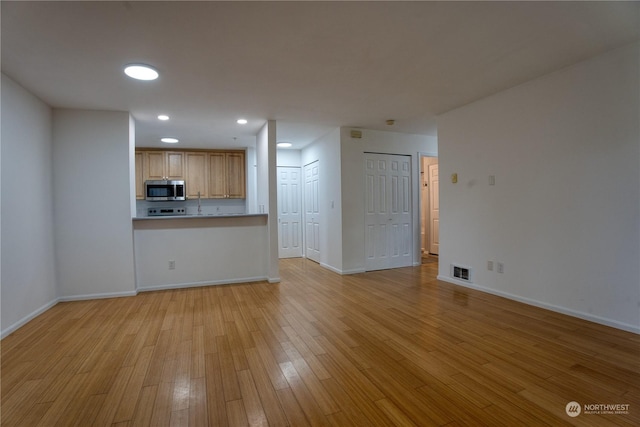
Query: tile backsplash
209, 206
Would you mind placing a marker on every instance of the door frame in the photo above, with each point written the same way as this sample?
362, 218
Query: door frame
421, 204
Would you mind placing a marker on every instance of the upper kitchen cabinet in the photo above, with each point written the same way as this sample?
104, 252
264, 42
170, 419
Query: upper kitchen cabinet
227, 173
215, 174
196, 174
159, 165
139, 175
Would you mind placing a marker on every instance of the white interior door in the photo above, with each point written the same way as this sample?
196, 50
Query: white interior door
434, 210
388, 217
289, 212
312, 211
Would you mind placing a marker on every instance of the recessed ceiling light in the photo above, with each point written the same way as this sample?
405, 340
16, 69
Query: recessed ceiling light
284, 144
140, 72
169, 140
163, 117
242, 121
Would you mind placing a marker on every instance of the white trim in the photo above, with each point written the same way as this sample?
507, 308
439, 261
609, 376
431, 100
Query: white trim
343, 272
353, 271
14, 327
98, 296
198, 284
547, 306
328, 267
274, 280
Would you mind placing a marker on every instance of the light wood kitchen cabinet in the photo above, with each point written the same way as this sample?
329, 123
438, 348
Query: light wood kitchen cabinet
196, 174
227, 175
160, 165
236, 173
217, 180
139, 175
216, 174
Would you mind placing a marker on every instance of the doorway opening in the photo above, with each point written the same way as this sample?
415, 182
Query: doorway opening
429, 209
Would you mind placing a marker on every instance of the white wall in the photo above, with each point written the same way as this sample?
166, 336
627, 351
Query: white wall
267, 190
564, 214
92, 203
251, 202
353, 186
214, 250
288, 157
28, 280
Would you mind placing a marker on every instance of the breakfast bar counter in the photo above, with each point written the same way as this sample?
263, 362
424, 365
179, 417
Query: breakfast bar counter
199, 250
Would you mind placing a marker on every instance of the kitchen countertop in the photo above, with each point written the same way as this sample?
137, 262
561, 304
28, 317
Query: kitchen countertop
204, 216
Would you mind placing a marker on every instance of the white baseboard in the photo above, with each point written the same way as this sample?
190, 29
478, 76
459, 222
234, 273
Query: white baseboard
12, 328
98, 296
354, 271
563, 310
198, 284
342, 272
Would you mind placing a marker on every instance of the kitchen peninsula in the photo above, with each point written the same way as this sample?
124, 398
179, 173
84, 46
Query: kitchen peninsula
198, 250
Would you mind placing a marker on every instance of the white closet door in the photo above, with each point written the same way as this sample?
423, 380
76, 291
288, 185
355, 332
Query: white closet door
388, 216
289, 212
312, 217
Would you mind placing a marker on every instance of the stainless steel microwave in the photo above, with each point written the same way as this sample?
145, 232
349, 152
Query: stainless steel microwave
164, 190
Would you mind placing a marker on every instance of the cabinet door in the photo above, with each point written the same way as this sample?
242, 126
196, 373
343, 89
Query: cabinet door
139, 175
174, 165
196, 175
236, 188
154, 165
217, 176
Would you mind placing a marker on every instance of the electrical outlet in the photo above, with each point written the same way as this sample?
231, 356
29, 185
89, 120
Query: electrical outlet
490, 265
172, 265
500, 267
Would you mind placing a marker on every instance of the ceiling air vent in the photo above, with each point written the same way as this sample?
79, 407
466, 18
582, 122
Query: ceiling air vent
462, 273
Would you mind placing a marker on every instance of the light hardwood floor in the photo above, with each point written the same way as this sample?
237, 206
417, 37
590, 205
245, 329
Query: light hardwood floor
394, 347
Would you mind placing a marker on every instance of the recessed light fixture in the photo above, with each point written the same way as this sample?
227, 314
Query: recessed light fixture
163, 117
284, 144
170, 140
242, 121
140, 72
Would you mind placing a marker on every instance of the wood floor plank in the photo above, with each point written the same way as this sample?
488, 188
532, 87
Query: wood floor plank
268, 359
216, 403
144, 409
292, 410
114, 396
256, 415
394, 347
198, 411
307, 403
265, 389
134, 387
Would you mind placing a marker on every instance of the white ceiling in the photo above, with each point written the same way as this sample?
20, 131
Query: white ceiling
312, 66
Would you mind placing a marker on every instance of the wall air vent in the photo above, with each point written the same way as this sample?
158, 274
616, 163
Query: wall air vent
462, 273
